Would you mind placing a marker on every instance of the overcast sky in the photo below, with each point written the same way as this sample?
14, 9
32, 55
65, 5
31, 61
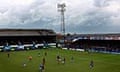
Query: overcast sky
81, 16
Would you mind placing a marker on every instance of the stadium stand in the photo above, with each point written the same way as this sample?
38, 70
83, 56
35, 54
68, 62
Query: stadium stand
26, 36
96, 42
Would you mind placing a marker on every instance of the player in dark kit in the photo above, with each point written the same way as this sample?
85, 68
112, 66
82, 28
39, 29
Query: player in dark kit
24, 64
72, 59
63, 61
8, 55
38, 54
41, 68
58, 59
45, 53
43, 61
91, 64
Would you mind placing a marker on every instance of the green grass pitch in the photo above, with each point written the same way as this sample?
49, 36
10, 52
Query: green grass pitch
102, 62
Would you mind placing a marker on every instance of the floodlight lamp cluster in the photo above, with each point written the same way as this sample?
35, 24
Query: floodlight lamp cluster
61, 7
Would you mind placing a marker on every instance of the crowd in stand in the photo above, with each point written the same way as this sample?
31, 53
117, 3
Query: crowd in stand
21, 46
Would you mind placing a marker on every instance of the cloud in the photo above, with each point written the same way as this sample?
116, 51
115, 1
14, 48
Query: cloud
81, 16
101, 3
